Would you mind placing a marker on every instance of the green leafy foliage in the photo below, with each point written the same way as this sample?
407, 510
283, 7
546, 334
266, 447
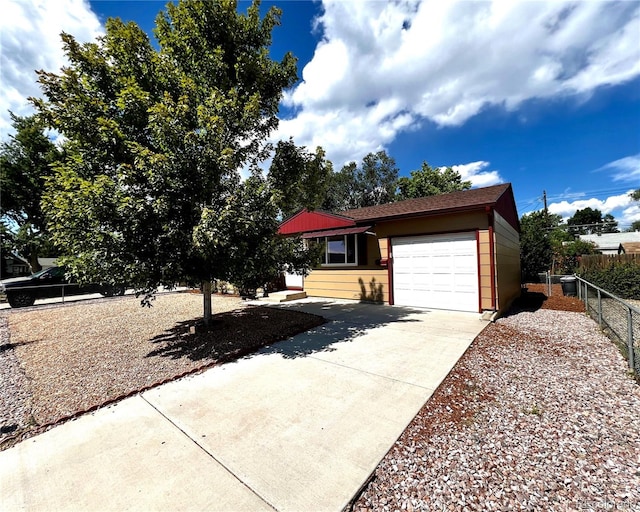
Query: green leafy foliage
546, 245
428, 181
299, 178
567, 255
373, 182
243, 234
590, 221
620, 276
26, 161
156, 139
536, 249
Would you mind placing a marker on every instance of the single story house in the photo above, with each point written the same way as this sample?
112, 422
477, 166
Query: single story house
458, 251
14, 265
609, 243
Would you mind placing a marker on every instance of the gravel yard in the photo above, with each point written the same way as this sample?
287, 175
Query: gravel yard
59, 361
539, 414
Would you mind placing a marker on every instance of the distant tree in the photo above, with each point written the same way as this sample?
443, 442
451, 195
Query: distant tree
372, 183
341, 191
635, 195
428, 181
300, 178
377, 179
635, 226
610, 224
539, 233
26, 162
567, 255
590, 221
156, 141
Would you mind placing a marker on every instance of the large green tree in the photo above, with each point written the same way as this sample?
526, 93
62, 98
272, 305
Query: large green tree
26, 161
539, 234
371, 183
299, 178
429, 181
156, 139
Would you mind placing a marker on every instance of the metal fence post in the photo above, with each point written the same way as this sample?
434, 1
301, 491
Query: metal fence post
586, 297
630, 356
599, 309
63, 294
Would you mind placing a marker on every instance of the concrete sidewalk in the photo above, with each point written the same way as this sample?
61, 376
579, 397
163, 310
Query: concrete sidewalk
298, 426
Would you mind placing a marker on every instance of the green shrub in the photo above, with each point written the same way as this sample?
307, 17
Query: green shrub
620, 278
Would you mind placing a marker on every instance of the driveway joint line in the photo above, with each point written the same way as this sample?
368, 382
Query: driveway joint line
242, 482
316, 358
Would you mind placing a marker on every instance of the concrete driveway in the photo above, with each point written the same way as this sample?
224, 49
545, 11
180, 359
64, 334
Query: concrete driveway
298, 426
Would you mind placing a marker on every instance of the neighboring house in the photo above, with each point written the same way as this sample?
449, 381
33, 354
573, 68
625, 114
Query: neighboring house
609, 243
458, 251
14, 265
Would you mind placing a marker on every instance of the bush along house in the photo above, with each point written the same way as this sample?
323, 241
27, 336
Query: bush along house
458, 251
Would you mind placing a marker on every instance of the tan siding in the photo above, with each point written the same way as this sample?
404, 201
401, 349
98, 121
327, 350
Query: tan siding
484, 257
432, 225
383, 246
360, 284
373, 249
508, 273
344, 282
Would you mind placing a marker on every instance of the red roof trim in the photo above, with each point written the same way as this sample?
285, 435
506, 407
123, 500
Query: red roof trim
335, 232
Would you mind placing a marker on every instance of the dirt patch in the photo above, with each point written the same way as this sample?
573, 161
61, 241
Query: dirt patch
76, 358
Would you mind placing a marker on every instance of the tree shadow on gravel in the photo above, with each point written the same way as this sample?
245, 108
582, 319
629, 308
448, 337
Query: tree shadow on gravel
232, 334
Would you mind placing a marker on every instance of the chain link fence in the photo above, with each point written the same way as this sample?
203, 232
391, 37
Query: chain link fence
619, 319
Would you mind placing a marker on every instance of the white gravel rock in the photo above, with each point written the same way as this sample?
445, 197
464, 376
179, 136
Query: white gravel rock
15, 403
548, 418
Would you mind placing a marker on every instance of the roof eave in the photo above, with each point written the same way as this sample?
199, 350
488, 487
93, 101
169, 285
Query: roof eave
446, 211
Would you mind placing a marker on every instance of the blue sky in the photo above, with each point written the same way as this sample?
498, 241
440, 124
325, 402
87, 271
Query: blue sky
545, 95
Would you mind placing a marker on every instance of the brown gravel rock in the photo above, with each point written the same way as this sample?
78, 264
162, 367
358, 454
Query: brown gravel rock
537, 297
540, 414
60, 361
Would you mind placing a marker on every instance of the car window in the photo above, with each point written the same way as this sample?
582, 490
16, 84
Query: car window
57, 272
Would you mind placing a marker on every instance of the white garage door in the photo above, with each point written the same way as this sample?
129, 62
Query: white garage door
439, 271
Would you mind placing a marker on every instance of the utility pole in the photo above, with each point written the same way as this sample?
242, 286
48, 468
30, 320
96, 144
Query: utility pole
544, 198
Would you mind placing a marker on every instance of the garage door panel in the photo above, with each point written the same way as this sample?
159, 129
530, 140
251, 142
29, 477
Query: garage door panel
436, 272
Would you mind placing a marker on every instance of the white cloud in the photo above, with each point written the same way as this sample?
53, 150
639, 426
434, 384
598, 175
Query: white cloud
622, 207
385, 67
30, 40
625, 169
475, 172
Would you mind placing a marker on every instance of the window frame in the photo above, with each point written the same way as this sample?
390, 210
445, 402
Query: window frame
325, 241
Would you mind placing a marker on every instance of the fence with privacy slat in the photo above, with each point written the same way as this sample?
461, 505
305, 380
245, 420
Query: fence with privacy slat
602, 261
619, 319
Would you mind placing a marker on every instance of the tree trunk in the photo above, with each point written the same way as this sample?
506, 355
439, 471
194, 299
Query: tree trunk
35, 264
206, 296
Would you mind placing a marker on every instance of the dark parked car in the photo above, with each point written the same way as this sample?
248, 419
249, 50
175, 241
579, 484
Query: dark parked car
23, 291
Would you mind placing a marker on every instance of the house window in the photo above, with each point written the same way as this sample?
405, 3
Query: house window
339, 250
